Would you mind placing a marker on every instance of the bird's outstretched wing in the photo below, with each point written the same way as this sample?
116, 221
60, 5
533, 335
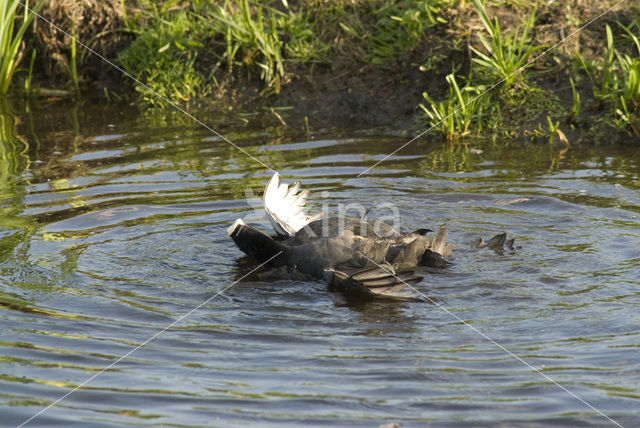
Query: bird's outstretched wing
285, 206
374, 283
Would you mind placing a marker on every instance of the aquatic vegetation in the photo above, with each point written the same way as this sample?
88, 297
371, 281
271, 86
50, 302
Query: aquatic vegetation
13, 148
575, 103
11, 43
455, 114
73, 66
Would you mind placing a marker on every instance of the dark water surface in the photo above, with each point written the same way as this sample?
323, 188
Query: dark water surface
113, 226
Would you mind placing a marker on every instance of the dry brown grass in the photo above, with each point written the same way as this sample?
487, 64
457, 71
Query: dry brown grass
98, 25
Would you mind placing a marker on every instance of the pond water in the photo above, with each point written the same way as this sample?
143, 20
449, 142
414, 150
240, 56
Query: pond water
113, 226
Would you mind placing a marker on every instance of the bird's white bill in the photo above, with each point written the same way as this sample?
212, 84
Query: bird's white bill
235, 224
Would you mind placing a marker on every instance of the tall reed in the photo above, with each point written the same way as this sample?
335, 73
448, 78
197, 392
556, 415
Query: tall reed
11, 44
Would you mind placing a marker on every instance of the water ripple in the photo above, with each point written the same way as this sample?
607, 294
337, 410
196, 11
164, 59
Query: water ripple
124, 231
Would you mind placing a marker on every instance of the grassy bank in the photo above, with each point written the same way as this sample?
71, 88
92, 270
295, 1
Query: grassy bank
207, 46
464, 68
517, 83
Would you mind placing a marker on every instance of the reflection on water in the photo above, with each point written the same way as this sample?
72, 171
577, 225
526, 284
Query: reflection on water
112, 226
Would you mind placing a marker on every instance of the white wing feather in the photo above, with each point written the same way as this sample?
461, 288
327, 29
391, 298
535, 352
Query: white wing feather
284, 206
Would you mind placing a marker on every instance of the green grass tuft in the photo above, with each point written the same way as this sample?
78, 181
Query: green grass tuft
164, 57
505, 56
453, 116
388, 29
616, 81
505, 59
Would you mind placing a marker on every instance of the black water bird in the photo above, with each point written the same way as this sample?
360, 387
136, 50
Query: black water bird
360, 257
